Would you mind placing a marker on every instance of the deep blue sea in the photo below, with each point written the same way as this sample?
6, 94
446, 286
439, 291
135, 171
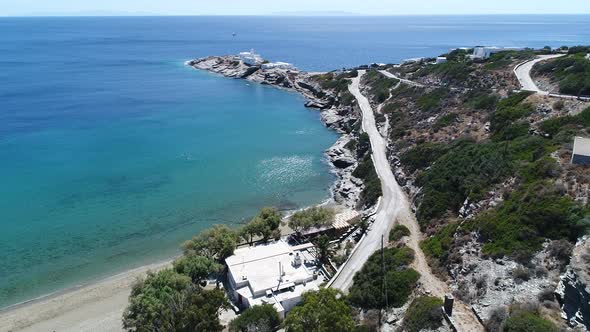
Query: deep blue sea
112, 152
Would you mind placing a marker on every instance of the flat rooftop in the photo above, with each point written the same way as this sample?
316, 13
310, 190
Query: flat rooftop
582, 146
261, 266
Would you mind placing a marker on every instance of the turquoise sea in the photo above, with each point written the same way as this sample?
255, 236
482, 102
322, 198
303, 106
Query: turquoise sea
112, 152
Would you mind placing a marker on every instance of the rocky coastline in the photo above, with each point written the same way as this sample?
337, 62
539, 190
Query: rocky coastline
347, 188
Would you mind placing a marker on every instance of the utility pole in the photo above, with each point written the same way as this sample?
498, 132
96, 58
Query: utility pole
383, 272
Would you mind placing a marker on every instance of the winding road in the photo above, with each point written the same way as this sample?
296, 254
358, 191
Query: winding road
394, 207
523, 73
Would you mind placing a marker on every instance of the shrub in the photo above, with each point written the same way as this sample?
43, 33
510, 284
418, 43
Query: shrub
519, 225
520, 274
444, 121
323, 310
398, 232
439, 245
422, 155
379, 85
366, 172
366, 291
571, 72
467, 171
523, 321
481, 100
312, 217
424, 313
555, 125
496, 320
561, 250
217, 242
432, 100
260, 318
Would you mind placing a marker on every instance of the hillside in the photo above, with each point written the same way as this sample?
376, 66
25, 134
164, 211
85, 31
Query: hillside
489, 174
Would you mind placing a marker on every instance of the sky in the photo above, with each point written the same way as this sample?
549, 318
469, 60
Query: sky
289, 7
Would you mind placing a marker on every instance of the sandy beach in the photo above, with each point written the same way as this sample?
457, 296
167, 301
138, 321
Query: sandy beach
96, 307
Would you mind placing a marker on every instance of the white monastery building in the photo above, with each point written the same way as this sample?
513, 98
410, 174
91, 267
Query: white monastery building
276, 274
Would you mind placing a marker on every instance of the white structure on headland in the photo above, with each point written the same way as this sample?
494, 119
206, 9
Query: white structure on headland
441, 59
412, 60
278, 65
251, 58
483, 52
588, 56
275, 273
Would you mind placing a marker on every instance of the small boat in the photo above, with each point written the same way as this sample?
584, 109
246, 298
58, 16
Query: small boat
234, 34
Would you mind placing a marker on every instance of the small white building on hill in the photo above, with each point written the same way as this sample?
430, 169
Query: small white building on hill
275, 273
482, 52
251, 58
581, 153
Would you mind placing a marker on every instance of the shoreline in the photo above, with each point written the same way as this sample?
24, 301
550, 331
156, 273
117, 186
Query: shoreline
92, 307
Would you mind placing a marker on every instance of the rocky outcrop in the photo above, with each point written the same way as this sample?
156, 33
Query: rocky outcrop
573, 291
347, 188
491, 283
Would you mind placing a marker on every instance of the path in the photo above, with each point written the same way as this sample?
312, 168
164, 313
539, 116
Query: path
523, 73
393, 206
402, 80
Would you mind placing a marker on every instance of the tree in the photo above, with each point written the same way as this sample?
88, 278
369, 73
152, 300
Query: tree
168, 301
320, 311
325, 250
217, 242
264, 225
425, 312
149, 299
196, 267
259, 318
367, 289
313, 217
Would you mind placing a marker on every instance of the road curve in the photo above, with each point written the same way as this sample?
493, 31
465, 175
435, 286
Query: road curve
391, 201
394, 206
523, 73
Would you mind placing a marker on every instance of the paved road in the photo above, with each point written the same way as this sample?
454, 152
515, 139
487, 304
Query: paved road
391, 201
395, 207
523, 73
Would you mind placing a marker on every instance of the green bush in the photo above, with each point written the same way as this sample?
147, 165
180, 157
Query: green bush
322, 310
422, 155
432, 100
366, 172
505, 116
400, 281
468, 170
555, 125
481, 100
524, 321
450, 71
445, 121
424, 313
531, 214
398, 232
439, 245
263, 318
572, 72
379, 85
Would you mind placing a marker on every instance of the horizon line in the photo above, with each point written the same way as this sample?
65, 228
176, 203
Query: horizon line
279, 15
